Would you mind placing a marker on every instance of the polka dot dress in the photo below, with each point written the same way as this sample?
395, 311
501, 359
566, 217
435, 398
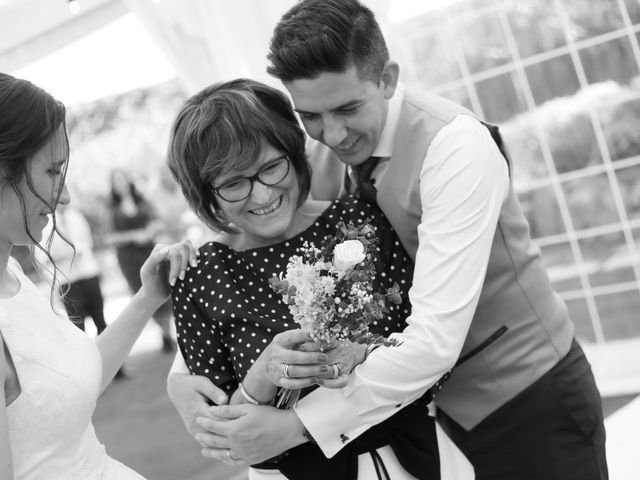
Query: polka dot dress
226, 312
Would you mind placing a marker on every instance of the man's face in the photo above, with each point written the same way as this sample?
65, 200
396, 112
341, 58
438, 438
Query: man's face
343, 111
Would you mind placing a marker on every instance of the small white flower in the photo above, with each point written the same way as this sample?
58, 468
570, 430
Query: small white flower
347, 255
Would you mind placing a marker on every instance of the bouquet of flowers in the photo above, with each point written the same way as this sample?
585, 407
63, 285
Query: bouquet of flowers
330, 293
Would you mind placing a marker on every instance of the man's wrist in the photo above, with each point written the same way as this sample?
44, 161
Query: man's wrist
306, 434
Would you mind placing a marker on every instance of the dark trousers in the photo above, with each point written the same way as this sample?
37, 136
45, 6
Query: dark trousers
84, 299
553, 430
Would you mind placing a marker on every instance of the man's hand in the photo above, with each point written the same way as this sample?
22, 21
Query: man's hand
246, 434
190, 395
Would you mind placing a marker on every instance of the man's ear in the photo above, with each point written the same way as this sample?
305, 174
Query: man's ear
389, 78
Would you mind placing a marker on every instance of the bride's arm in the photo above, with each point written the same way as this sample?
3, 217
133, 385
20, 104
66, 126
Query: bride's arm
6, 461
117, 340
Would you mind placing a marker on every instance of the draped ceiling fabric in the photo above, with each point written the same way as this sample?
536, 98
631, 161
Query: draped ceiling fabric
208, 41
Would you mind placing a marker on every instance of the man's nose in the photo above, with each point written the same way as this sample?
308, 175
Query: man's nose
334, 131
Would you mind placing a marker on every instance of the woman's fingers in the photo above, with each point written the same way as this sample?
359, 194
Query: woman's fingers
338, 382
291, 338
177, 257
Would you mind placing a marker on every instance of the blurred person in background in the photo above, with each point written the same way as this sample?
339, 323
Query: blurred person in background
51, 372
134, 231
80, 286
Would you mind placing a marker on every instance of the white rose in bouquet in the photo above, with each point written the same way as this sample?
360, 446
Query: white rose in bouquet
347, 255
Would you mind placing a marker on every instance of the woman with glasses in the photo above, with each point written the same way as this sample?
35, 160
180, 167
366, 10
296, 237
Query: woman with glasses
238, 153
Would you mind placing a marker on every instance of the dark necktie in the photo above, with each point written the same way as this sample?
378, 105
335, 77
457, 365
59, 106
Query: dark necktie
364, 185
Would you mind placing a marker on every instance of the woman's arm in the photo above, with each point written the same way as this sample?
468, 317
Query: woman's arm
116, 341
6, 460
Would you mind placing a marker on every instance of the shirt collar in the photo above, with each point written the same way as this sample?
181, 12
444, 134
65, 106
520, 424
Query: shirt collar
385, 144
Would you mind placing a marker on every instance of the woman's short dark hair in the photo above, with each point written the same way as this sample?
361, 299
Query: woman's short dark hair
226, 126
320, 36
29, 118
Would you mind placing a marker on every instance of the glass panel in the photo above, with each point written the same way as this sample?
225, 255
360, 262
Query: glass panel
629, 182
553, 78
523, 148
607, 259
633, 8
619, 314
458, 95
500, 97
483, 42
592, 17
570, 134
543, 214
612, 60
579, 313
433, 59
590, 202
620, 126
536, 26
561, 267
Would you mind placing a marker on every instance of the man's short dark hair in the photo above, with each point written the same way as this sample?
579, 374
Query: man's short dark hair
320, 36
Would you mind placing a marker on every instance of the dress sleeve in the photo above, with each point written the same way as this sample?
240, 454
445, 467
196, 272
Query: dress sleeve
200, 336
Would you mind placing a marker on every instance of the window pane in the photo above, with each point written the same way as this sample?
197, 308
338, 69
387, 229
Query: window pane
483, 42
612, 60
593, 17
579, 313
458, 95
543, 214
500, 97
629, 182
619, 314
620, 125
553, 78
607, 259
432, 60
536, 26
571, 136
633, 8
590, 202
523, 147
561, 267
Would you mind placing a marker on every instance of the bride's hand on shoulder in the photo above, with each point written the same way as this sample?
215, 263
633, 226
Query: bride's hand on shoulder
165, 265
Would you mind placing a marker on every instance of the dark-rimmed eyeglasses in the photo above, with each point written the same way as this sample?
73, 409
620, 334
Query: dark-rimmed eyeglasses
239, 188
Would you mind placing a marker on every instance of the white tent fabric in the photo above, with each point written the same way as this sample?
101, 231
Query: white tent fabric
209, 41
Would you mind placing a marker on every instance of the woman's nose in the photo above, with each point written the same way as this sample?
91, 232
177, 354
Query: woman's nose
64, 197
260, 193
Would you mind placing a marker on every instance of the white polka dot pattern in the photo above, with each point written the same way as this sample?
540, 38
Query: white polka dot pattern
226, 312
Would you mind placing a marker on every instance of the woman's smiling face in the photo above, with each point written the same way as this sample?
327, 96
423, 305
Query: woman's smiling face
46, 170
268, 214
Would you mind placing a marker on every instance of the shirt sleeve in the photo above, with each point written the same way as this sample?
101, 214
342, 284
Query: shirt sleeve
463, 183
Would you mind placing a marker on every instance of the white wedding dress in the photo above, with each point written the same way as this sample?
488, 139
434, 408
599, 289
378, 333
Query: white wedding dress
59, 368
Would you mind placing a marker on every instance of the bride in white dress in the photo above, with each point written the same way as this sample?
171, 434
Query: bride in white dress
51, 371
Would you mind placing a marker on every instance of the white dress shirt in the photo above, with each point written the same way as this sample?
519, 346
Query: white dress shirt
463, 183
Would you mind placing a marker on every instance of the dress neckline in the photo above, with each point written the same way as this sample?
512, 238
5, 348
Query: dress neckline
283, 243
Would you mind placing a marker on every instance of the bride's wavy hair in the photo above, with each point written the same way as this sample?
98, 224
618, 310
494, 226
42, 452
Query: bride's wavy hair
225, 127
29, 119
